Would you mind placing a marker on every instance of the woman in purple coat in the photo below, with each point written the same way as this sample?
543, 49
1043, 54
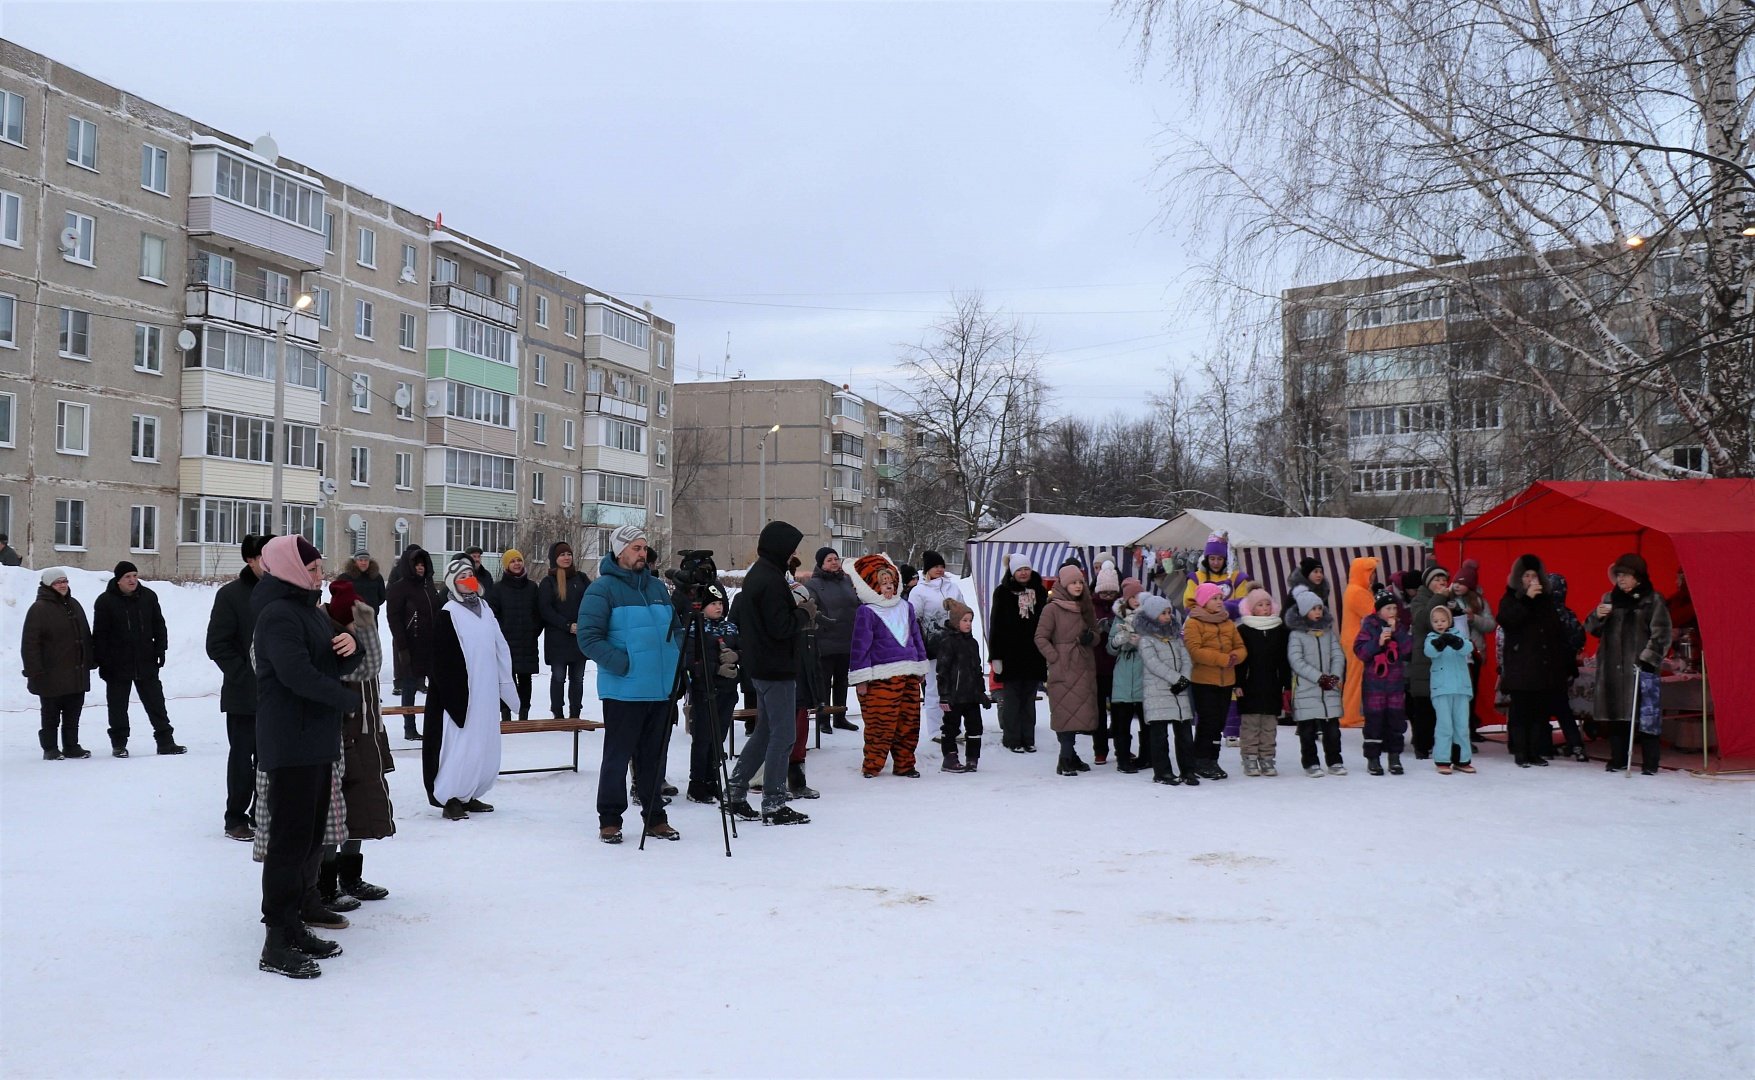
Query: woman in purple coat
887, 666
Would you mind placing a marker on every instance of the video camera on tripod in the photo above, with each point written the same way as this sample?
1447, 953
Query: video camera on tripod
695, 572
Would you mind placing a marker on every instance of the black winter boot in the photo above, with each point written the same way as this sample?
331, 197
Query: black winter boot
409, 730
280, 958
1374, 766
952, 762
329, 888
313, 946
796, 785
1065, 767
356, 886
46, 739
703, 792
971, 753
70, 747
1395, 764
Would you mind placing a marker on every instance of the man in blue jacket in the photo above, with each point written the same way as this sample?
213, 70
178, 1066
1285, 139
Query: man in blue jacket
628, 626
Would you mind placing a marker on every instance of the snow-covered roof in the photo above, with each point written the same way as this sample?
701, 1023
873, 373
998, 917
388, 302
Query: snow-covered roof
1190, 529
439, 236
1072, 529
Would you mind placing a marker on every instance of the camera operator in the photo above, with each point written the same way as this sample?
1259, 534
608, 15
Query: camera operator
770, 620
628, 626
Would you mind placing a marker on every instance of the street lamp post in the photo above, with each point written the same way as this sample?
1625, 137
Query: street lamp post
277, 439
1027, 478
762, 474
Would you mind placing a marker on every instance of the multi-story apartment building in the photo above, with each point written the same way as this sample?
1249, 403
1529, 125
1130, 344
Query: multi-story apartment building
1410, 407
433, 385
800, 450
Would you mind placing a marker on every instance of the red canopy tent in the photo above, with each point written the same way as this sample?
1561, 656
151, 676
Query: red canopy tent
1705, 527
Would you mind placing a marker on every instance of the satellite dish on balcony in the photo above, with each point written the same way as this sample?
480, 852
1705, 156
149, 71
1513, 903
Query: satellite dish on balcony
355, 523
404, 398
432, 399
327, 486
185, 340
402, 525
69, 240
266, 149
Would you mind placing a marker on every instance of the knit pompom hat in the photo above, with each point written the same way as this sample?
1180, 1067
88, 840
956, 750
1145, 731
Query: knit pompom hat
1205, 592
1152, 605
460, 581
1431, 572
1309, 563
1247, 607
957, 609
1306, 600
1469, 575
1107, 579
1218, 544
1131, 587
341, 600
1016, 561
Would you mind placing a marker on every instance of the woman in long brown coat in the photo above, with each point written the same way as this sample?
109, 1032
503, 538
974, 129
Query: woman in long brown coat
1065, 637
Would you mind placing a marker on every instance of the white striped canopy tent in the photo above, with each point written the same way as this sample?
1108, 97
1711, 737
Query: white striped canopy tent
1269, 549
1047, 540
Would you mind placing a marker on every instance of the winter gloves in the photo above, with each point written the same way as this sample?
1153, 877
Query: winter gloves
1648, 667
1328, 682
1446, 641
1179, 685
727, 664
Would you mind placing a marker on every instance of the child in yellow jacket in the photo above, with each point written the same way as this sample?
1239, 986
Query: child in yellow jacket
1216, 648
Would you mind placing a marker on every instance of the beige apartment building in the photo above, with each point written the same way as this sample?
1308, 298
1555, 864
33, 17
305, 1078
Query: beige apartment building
828, 469
437, 389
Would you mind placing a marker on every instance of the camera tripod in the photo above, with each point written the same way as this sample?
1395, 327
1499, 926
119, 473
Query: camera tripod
700, 700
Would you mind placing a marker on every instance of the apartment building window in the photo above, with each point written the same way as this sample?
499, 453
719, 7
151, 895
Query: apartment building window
12, 117
662, 349
483, 406
75, 340
155, 166
1477, 473
6, 513
492, 537
539, 428
405, 331
404, 401
359, 539
359, 466
404, 472
85, 228
11, 219
492, 472
570, 320
363, 314
269, 191
624, 328
143, 528
542, 311
1415, 306
640, 393
568, 376
1689, 457
276, 287
658, 502
301, 446
594, 381
409, 256
622, 435
513, 293
483, 283
215, 270
240, 438
8, 411
143, 438
538, 487
1378, 479
72, 428
82, 143
324, 301
851, 408
242, 354
661, 454
663, 402
70, 524
569, 436
477, 338
8, 320
329, 231
223, 521
621, 490
361, 398
444, 270
1479, 416
539, 369
368, 248
149, 349
567, 489
152, 258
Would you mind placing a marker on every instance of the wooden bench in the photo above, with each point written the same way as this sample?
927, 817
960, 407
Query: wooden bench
520, 727
748, 716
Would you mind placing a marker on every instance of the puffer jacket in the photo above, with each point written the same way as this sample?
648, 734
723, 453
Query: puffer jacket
1385, 662
837, 606
300, 697
515, 605
928, 601
128, 632
1165, 663
960, 680
1448, 668
560, 615
629, 628
368, 586
411, 605
1127, 682
1536, 656
1211, 640
1072, 667
1263, 676
230, 630
1011, 630
1311, 654
56, 648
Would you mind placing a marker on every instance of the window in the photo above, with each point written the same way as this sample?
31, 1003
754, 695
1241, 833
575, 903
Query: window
404, 471
539, 428
75, 334
329, 231
302, 366
594, 381
143, 528
409, 255
466, 468
567, 489
1478, 473
324, 301
640, 393
361, 396
568, 376
661, 454
359, 466
542, 311
149, 348
11, 219
538, 487
658, 502
1377, 479
363, 312
359, 539
82, 143
8, 320
484, 284
539, 369
1689, 457
624, 328
490, 536
483, 406
70, 524
663, 349
223, 521
8, 410
72, 428
405, 399
215, 270
301, 446
368, 248
85, 230
155, 166
1414, 306
152, 258
12, 117
269, 191
143, 438
570, 320
621, 490
444, 270
622, 435
276, 288
851, 408
569, 434
405, 331
478, 338
513, 293
240, 438
663, 402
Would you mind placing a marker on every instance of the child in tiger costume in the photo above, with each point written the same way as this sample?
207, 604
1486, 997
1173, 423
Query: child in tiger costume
887, 666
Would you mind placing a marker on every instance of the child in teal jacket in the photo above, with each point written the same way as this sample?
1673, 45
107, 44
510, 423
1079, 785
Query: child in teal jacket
1451, 690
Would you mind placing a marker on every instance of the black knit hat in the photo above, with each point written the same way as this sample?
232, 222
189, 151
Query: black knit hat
1431, 572
930, 559
908, 573
823, 553
1309, 563
126, 567
253, 544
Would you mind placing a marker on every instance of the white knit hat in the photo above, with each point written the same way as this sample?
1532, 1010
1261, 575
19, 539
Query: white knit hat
1016, 561
622, 537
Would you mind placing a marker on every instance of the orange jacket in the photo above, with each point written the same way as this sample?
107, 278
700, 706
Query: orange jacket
1211, 640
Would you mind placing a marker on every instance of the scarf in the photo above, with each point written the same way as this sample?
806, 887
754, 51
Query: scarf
285, 558
1260, 622
894, 614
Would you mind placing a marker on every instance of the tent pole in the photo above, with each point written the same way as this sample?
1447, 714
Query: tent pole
1705, 718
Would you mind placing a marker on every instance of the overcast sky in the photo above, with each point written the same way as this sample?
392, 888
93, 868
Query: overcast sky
813, 179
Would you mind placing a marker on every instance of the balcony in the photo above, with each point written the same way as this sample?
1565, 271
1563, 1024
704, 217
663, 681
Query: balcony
203, 301
614, 406
848, 461
888, 504
845, 496
611, 515
843, 531
249, 204
457, 298
470, 435
890, 470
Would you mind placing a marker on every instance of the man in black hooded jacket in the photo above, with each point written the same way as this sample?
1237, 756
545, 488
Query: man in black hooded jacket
229, 632
769, 620
129, 636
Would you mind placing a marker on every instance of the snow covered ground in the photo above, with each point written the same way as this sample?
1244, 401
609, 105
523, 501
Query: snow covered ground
1560, 922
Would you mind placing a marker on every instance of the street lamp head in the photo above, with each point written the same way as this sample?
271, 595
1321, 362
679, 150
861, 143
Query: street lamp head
304, 301
774, 429
1749, 231
1635, 240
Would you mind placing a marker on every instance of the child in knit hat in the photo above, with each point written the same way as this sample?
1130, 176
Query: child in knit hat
1168, 691
961, 688
1319, 668
1262, 680
1126, 678
1383, 646
1217, 649
1449, 652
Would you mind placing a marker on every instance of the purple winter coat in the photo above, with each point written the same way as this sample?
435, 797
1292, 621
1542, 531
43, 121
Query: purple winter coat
877, 655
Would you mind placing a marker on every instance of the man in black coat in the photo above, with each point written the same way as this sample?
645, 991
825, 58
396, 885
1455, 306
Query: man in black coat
129, 637
410, 608
9, 555
770, 619
368, 583
837, 604
229, 632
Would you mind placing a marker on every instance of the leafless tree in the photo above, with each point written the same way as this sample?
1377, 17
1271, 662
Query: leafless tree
1573, 175
973, 388
693, 449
